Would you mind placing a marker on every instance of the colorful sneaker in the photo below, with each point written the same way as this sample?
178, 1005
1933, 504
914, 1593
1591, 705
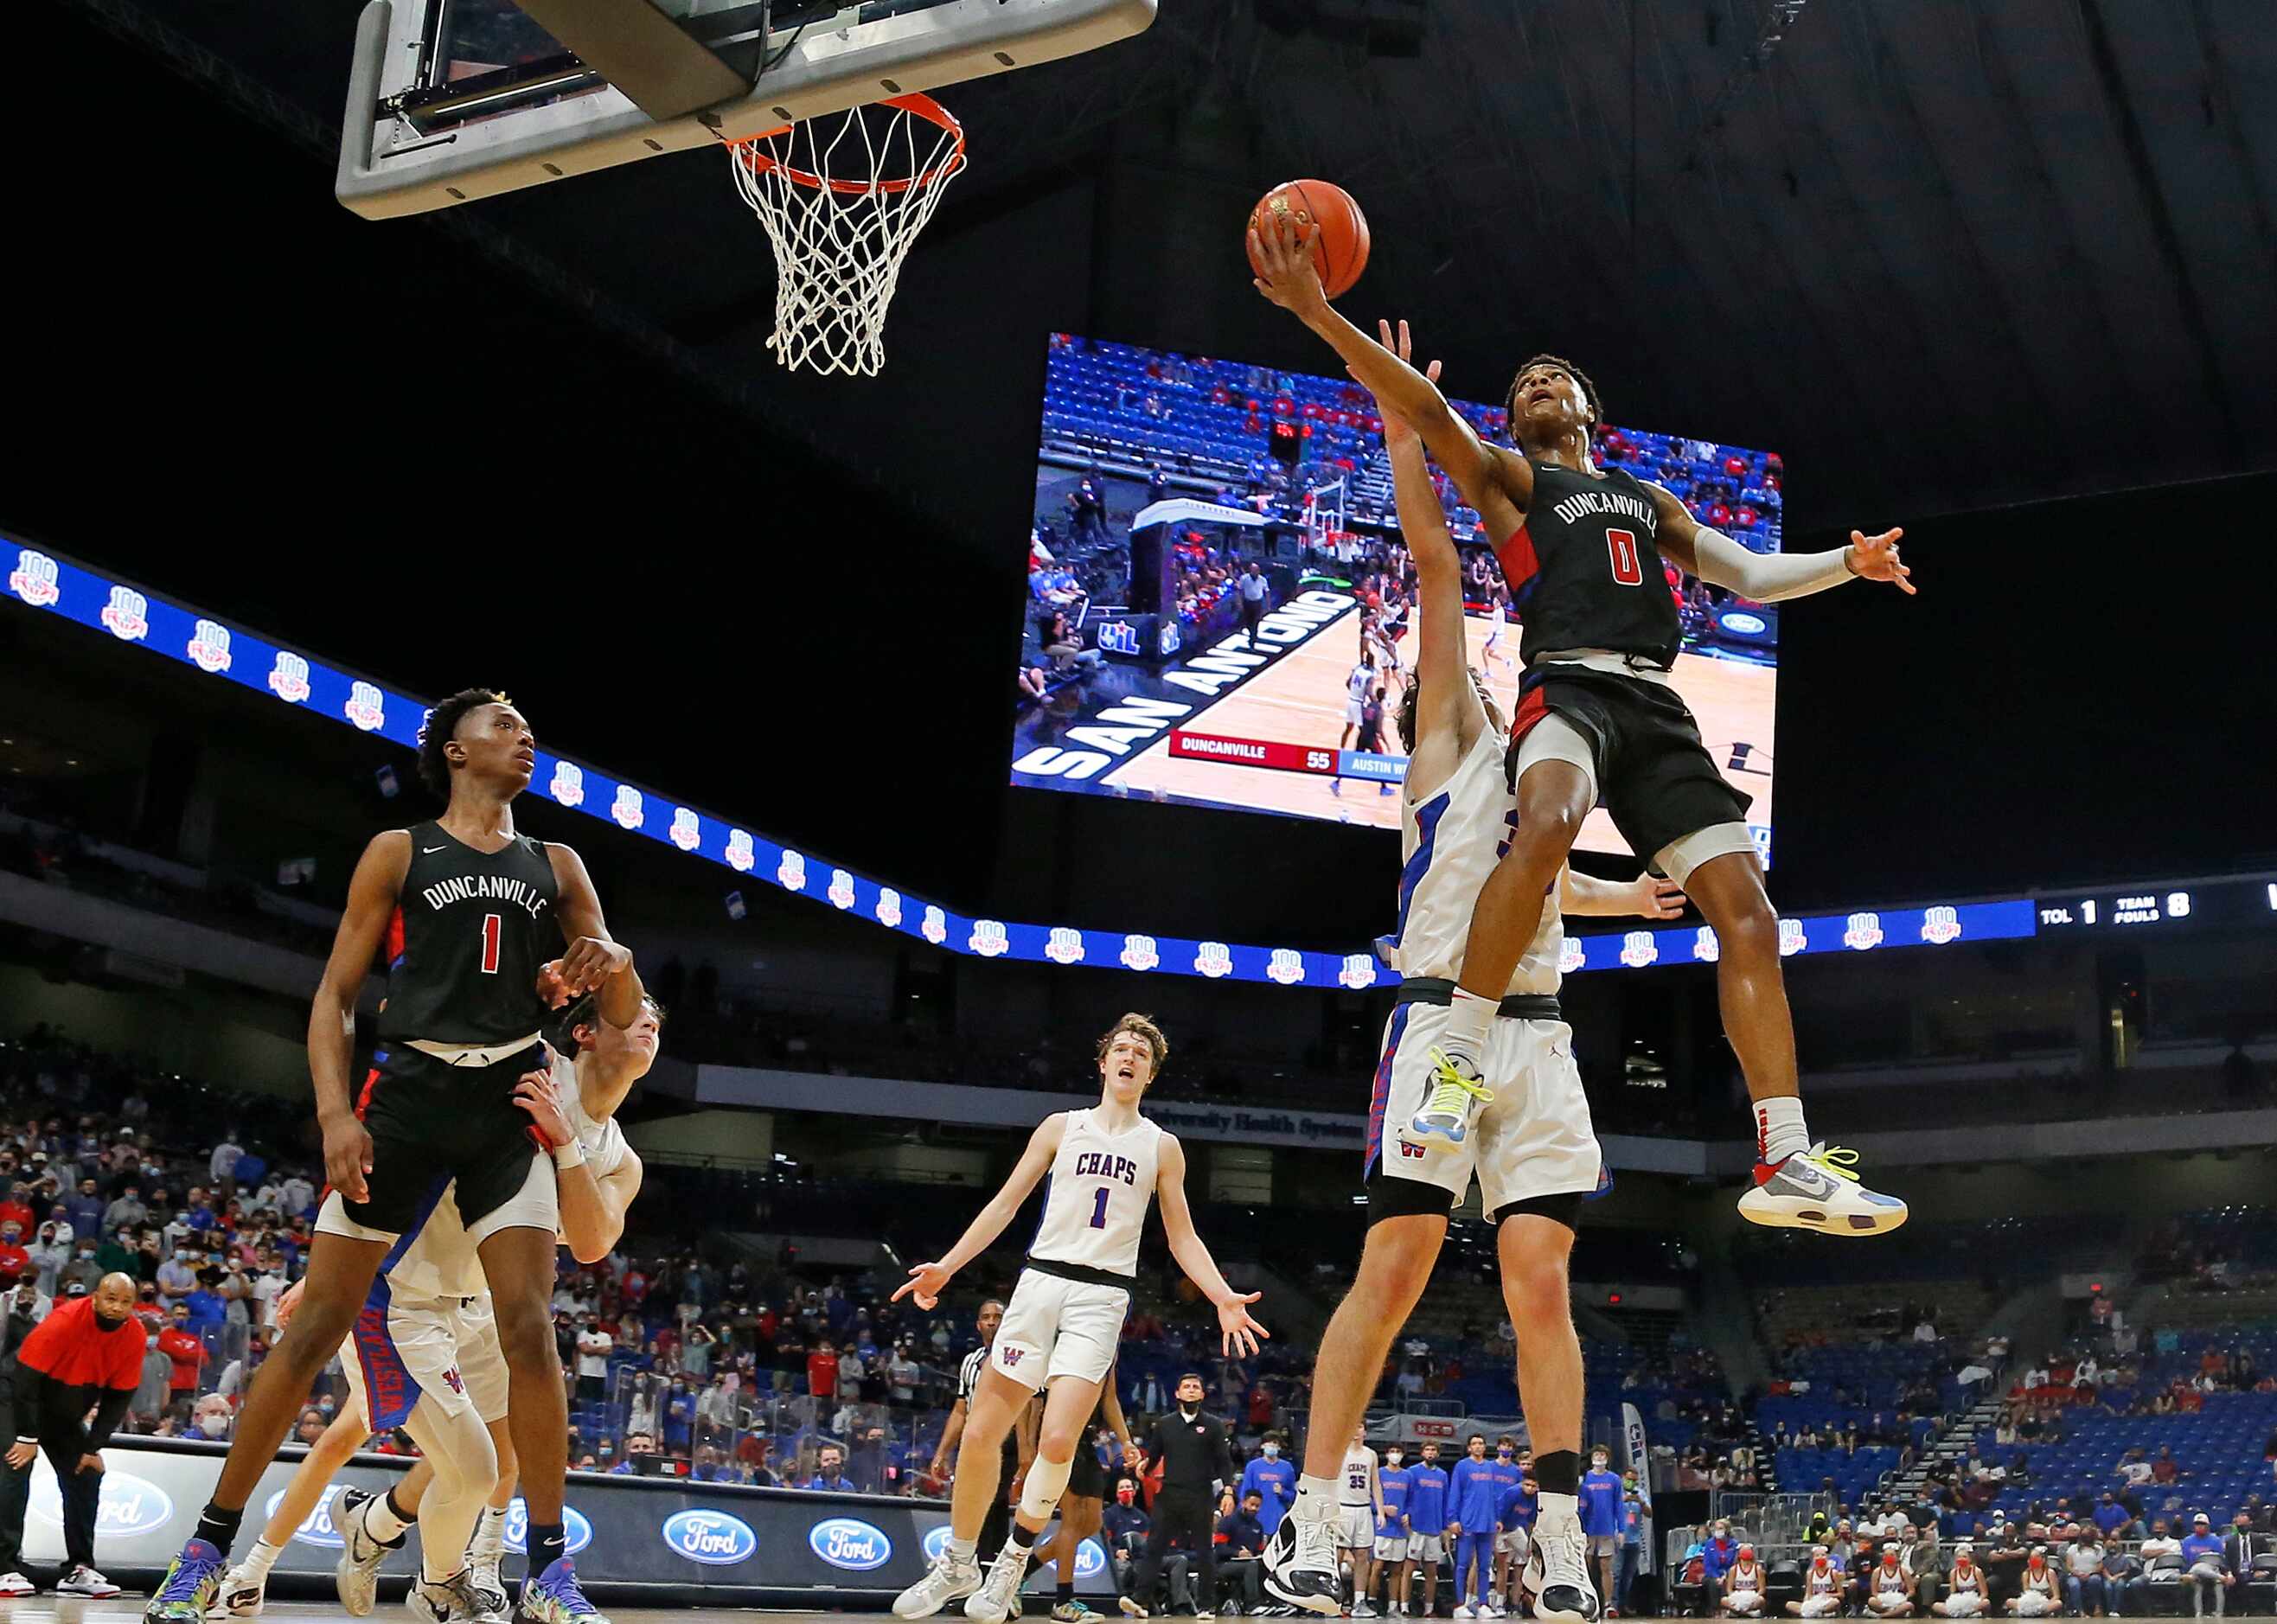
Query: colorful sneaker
553, 1598
186, 1594
1300, 1566
998, 1598
243, 1595
1458, 1091
1072, 1613
356, 1575
84, 1581
1818, 1189
948, 1580
1557, 1573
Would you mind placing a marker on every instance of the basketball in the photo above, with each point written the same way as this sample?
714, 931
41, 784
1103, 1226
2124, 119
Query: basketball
1339, 250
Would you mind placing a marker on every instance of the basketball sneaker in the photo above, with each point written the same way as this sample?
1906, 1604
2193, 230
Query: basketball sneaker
1819, 1189
1557, 1573
455, 1600
1363, 1608
84, 1581
1458, 1091
356, 1575
998, 1598
243, 1595
1300, 1566
950, 1579
12, 1583
1131, 1608
486, 1552
1073, 1613
186, 1594
554, 1597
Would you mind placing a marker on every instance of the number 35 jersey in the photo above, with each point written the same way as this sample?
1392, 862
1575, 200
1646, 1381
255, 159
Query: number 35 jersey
1096, 1202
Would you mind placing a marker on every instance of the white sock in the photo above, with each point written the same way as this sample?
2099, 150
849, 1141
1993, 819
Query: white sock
1316, 1499
961, 1550
1557, 1508
488, 1542
264, 1557
380, 1520
1470, 1019
1780, 1129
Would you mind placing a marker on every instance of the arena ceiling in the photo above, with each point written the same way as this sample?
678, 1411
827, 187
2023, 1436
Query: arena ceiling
1944, 254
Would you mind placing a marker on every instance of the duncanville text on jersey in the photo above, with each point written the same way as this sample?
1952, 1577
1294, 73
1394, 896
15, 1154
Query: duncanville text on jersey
484, 888
1616, 502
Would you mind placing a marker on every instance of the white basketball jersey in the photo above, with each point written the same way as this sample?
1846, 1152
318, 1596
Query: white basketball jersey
1889, 1581
1816, 1583
2043, 1582
1746, 1576
1096, 1202
603, 1141
1969, 1578
1359, 1468
1449, 843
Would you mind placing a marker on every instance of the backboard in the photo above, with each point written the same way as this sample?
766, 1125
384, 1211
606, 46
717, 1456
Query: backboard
454, 100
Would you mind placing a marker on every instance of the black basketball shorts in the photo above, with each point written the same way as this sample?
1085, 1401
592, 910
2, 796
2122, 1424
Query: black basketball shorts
432, 1122
1655, 777
1085, 1475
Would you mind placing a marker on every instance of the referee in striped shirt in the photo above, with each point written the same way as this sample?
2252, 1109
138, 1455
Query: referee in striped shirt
998, 1527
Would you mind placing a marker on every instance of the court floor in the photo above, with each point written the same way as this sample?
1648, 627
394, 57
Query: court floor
128, 1610
1299, 699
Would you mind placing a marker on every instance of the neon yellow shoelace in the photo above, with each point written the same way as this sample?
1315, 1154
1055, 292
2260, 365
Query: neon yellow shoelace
1454, 1092
1838, 1159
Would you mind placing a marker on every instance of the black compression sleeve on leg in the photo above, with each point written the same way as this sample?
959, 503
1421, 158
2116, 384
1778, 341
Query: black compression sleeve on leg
1558, 1472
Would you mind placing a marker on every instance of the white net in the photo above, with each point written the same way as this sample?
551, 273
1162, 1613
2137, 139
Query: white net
843, 197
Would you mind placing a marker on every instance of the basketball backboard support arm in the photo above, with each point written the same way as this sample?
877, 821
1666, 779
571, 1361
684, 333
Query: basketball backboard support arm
390, 165
661, 69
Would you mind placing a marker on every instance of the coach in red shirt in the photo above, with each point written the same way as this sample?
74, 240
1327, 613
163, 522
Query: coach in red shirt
85, 1355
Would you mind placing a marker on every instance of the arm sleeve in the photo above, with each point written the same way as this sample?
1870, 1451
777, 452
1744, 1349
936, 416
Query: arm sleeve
1767, 577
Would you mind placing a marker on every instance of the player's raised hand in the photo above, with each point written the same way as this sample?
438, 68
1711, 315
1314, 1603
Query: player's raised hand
1238, 1333
589, 961
1289, 278
925, 1284
1397, 430
1655, 898
347, 1159
1876, 558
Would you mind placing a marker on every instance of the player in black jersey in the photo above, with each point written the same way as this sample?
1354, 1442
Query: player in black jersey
1597, 718
465, 910
1083, 1506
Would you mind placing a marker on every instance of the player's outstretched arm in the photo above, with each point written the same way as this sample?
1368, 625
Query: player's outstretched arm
373, 890
1497, 483
1447, 706
1770, 577
926, 1281
1644, 896
1237, 1331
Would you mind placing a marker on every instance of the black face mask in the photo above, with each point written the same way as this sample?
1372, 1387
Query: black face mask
107, 1321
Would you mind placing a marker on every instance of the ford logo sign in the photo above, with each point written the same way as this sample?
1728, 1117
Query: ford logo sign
1747, 625
574, 1527
1090, 1559
711, 1537
936, 1540
130, 1504
851, 1543
316, 1527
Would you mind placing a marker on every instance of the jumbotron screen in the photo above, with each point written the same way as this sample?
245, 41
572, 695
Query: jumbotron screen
1220, 612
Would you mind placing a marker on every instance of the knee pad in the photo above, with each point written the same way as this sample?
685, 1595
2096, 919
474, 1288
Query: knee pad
1047, 1480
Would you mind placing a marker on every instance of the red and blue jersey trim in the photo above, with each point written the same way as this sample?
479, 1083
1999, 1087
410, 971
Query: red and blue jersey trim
391, 1392
1382, 1096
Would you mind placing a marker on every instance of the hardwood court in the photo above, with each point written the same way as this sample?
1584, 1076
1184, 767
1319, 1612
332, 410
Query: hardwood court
1299, 699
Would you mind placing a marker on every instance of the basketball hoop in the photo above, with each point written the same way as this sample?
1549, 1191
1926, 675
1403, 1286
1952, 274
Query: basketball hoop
843, 197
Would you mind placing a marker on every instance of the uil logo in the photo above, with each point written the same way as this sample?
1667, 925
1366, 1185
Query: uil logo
126, 616
1792, 939
288, 678
627, 808
364, 707
1940, 925
934, 926
1705, 947
687, 833
34, 579
1572, 955
889, 908
1864, 931
209, 648
791, 872
1638, 949
1214, 960
740, 854
568, 785
1358, 971
841, 889
1286, 966
1065, 946
1165, 640
1139, 953
988, 938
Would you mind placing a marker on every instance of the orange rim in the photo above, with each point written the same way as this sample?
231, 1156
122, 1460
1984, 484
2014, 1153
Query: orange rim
925, 106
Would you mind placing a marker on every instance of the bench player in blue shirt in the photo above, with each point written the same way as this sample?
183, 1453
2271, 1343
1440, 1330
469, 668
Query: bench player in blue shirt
1391, 1529
1426, 1519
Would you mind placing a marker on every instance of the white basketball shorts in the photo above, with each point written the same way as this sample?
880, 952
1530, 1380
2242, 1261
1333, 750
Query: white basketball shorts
1055, 1327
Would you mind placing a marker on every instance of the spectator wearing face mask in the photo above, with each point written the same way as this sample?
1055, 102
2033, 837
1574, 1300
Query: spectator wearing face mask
1272, 1480
1602, 1518
182, 1345
176, 1278
1126, 1526
75, 1376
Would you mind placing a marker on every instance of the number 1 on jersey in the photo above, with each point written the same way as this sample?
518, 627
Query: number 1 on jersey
1628, 568
490, 943
1099, 1209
